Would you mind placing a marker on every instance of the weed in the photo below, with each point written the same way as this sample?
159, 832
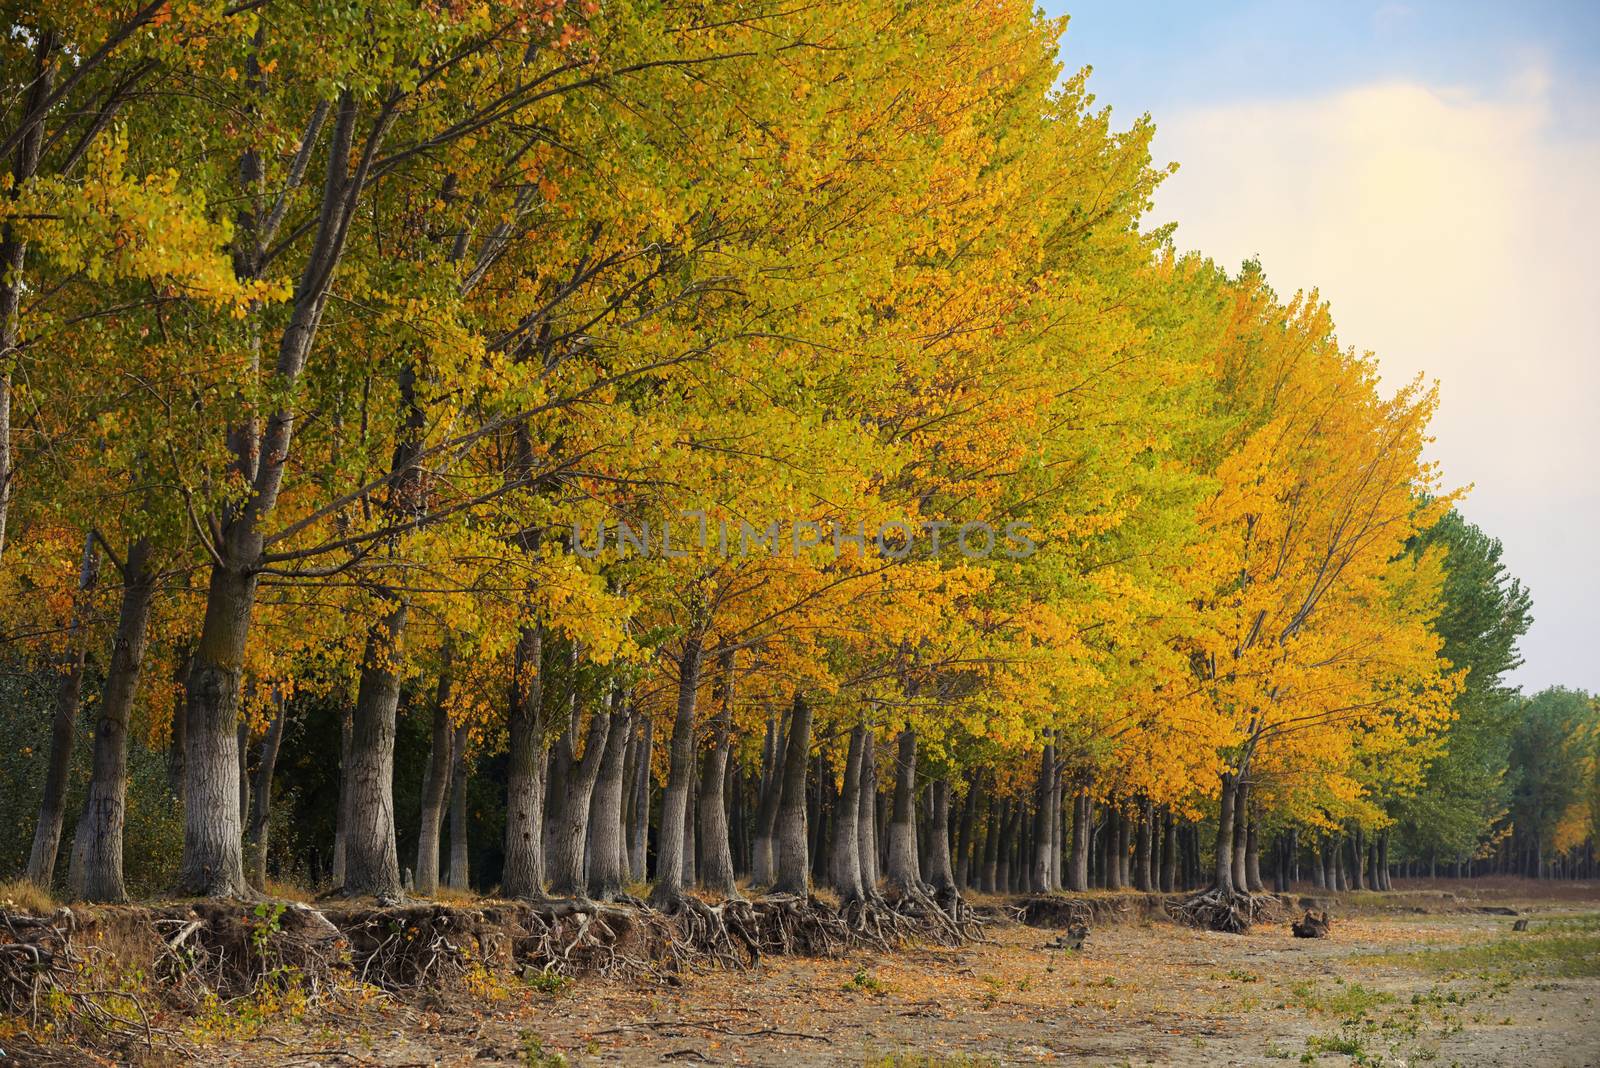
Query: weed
535, 1056
866, 983
1352, 1001
550, 983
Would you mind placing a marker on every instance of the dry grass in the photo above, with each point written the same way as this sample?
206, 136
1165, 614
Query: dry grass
452, 896
20, 895
288, 891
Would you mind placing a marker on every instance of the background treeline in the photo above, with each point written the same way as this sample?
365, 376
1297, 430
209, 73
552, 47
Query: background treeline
325, 329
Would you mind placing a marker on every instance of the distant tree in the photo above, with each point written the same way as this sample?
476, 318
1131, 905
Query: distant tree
1485, 611
1552, 761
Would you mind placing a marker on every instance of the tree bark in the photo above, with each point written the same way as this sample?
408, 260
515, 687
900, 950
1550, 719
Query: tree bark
261, 807
371, 854
1142, 847
96, 873
867, 815
964, 832
1252, 860
459, 877
1082, 823
846, 859
716, 868
1040, 877
608, 855
63, 729
342, 814
176, 743
940, 876
794, 867
1225, 831
639, 830
1169, 852
1241, 829
572, 830
904, 872
1006, 825
764, 864
672, 842
524, 872
435, 784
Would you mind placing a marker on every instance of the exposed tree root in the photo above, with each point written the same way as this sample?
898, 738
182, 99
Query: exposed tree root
1233, 913
78, 963
48, 977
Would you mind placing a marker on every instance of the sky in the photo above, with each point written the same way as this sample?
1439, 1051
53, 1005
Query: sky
1433, 169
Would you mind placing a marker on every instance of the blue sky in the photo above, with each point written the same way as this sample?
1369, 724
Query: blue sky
1433, 170
1158, 57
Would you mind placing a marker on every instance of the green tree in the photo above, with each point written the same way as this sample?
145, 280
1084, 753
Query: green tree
1485, 611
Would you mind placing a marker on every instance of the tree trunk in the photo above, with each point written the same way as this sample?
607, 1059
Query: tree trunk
867, 815
1241, 829
1225, 832
63, 730
764, 864
572, 830
342, 812
524, 872
176, 743
1357, 881
639, 830
820, 787
1007, 826
940, 876
904, 872
459, 877
1058, 833
213, 863
1252, 860
96, 873
794, 866
1142, 847
1082, 824
1169, 852
846, 859
691, 837
243, 749
1040, 878
608, 856
964, 831
1126, 832
989, 869
13, 254
716, 869
261, 807
435, 784
371, 855
673, 841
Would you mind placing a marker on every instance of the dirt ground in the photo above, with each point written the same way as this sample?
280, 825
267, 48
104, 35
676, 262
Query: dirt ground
1409, 978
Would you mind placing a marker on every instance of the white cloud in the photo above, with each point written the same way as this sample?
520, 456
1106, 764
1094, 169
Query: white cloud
1455, 235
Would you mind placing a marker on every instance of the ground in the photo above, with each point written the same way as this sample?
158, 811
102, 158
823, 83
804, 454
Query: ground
1421, 977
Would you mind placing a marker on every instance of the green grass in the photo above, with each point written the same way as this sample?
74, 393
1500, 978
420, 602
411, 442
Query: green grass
1562, 948
1349, 1001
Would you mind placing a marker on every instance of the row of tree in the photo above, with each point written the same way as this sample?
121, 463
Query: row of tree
949, 488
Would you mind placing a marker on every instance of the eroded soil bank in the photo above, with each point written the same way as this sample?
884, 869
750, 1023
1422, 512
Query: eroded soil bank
1426, 976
